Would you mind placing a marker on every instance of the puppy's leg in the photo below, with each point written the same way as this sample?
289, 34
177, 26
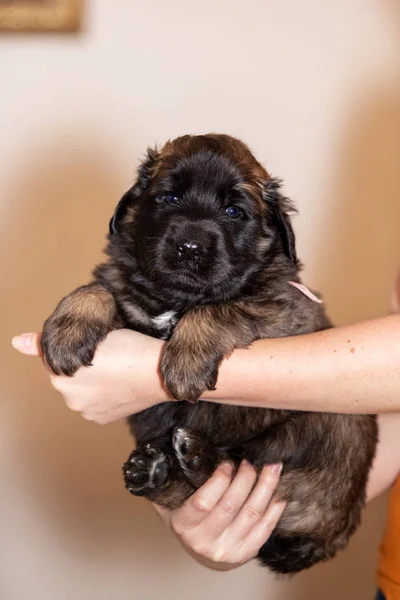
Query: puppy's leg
81, 320
154, 471
201, 339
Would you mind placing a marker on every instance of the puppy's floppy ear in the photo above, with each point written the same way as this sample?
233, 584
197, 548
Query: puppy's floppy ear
144, 174
119, 212
280, 208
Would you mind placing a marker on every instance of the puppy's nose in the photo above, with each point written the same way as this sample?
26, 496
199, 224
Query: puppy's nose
188, 250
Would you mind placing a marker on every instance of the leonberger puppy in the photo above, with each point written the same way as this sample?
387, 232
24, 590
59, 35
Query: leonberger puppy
201, 253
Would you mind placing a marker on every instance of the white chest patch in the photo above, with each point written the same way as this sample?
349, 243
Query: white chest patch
165, 322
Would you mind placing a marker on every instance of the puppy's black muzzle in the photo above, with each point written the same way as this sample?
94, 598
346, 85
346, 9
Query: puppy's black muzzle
190, 246
189, 250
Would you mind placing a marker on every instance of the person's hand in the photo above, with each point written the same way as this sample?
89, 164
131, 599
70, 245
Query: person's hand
117, 384
225, 522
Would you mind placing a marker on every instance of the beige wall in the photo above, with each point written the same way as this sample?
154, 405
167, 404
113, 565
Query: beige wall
314, 88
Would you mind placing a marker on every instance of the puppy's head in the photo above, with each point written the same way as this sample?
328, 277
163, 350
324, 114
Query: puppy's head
203, 214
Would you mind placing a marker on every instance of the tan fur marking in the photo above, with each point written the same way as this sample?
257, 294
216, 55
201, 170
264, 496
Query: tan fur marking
200, 341
81, 320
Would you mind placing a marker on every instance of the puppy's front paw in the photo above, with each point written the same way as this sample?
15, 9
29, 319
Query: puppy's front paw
146, 469
186, 373
67, 346
72, 333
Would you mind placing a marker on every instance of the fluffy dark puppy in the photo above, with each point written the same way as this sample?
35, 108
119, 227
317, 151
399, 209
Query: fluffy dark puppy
201, 252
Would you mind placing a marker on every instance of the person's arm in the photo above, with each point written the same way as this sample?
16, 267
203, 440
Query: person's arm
386, 466
353, 369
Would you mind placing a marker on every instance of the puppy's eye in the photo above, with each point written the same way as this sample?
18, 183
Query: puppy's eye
234, 212
170, 198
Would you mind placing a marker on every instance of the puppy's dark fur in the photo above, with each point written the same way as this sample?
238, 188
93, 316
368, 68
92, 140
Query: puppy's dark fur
201, 250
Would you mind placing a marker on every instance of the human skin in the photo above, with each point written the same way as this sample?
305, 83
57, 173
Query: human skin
353, 369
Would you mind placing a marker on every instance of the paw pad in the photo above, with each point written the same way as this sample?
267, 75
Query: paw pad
145, 470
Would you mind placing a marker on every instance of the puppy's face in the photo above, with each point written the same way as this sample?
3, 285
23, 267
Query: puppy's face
198, 216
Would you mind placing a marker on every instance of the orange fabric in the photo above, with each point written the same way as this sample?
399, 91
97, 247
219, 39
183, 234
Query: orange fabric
389, 552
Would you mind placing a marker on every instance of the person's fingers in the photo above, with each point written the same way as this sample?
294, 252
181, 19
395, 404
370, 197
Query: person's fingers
232, 500
263, 529
202, 502
254, 508
27, 343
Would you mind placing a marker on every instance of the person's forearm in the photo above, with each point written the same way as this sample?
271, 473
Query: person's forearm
354, 369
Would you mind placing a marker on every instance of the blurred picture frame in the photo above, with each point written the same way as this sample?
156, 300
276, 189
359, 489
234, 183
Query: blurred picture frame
40, 15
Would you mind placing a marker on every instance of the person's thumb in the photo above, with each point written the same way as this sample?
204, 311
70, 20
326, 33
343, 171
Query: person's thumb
27, 343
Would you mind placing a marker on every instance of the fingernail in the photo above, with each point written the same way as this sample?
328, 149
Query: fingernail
276, 469
227, 468
22, 342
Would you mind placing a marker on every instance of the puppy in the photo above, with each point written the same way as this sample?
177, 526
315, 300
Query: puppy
202, 254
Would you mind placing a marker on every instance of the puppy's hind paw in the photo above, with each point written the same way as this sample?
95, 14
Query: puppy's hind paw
145, 470
195, 454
